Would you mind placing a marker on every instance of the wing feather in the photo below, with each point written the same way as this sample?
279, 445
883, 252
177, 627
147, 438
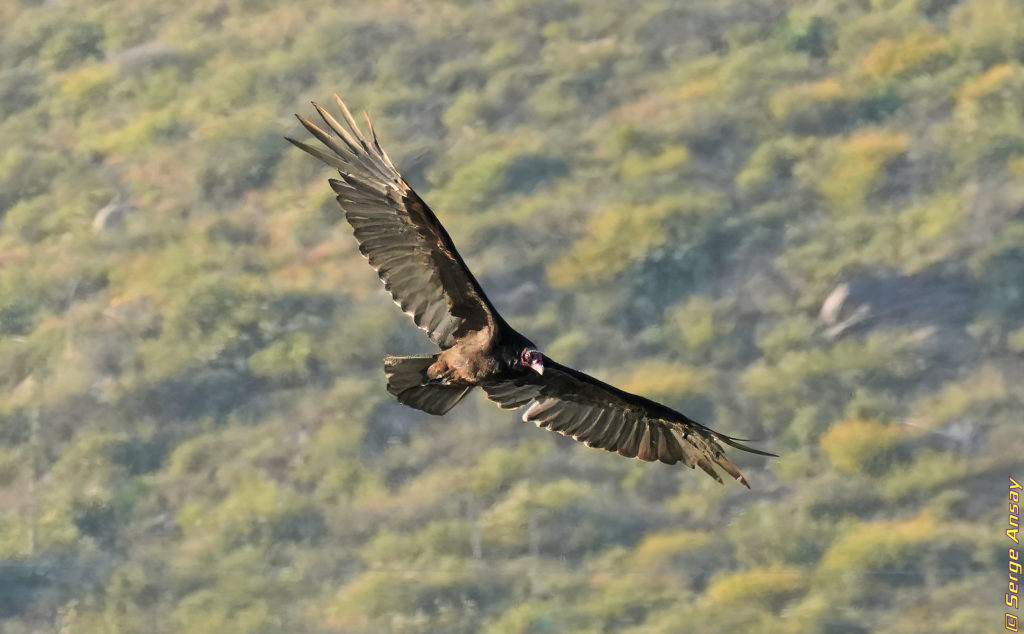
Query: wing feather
400, 236
627, 441
645, 449
602, 416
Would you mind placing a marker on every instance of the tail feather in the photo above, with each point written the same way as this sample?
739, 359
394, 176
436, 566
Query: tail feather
408, 382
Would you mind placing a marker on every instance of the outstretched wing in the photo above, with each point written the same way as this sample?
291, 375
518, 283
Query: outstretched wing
402, 239
600, 415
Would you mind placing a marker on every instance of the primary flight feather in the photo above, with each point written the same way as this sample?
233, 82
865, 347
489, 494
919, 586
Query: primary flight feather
419, 265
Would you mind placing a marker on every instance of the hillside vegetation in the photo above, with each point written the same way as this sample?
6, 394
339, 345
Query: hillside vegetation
800, 222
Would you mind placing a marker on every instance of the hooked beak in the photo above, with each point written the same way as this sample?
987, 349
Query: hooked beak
538, 366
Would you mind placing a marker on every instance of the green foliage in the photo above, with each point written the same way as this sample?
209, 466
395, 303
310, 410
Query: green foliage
287, 358
508, 521
444, 597
859, 446
773, 586
979, 390
195, 437
873, 545
895, 58
641, 167
772, 163
985, 29
658, 549
930, 471
857, 162
151, 128
692, 324
488, 174
666, 381
498, 469
620, 235
781, 384
532, 616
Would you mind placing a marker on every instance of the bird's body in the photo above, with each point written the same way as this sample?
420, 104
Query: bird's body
419, 265
471, 361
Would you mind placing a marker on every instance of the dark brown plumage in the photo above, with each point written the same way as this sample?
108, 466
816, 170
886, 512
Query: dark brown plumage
419, 265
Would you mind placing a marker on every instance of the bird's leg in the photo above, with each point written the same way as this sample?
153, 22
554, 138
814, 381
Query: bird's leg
440, 373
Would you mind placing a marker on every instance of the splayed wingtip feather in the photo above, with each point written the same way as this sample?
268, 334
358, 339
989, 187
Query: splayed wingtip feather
351, 122
734, 442
329, 159
337, 127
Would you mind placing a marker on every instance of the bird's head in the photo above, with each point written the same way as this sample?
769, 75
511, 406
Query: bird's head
533, 359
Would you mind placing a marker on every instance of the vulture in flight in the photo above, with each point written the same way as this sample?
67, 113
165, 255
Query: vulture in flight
418, 264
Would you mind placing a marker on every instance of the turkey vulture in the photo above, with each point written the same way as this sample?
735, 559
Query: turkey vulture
418, 264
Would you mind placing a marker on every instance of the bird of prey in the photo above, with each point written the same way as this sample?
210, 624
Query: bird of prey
419, 265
